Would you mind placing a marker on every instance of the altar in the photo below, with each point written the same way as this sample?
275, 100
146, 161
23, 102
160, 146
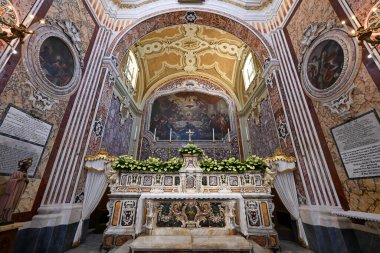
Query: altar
192, 206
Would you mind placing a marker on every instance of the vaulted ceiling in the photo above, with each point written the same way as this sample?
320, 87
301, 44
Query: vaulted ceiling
189, 50
245, 4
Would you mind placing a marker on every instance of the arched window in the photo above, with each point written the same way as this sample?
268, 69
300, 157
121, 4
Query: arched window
131, 70
249, 71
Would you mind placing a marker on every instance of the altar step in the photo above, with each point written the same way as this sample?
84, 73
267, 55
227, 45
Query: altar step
190, 244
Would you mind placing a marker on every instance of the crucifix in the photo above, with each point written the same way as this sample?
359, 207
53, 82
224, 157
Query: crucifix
190, 134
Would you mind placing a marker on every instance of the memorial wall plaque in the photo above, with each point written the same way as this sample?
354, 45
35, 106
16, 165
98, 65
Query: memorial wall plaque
21, 136
358, 143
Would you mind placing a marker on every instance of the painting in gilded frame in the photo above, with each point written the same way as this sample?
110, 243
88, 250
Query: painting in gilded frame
201, 113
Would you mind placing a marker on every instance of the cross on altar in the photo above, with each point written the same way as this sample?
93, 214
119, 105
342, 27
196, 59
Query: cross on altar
190, 134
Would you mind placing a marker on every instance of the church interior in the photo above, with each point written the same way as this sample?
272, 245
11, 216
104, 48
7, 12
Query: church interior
189, 126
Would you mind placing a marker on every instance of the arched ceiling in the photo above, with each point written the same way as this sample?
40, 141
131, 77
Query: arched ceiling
189, 50
244, 4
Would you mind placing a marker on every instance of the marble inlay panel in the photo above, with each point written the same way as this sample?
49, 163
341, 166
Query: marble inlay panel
116, 136
263, 136
361, 8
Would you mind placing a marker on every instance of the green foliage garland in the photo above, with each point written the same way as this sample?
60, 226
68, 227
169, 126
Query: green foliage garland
128, 164
232, 164
191, 149
173, 165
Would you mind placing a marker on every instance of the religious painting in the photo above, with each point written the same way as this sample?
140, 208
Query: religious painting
329, 61
205, 115
56, 61
325, 64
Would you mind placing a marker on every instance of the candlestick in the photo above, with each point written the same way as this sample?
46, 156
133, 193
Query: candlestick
213, 135
154, 137
170, 136
228, 134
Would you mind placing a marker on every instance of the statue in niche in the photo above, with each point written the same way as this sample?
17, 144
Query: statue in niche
15, 187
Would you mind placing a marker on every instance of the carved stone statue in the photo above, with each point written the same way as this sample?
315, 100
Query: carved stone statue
15, 187
269, 177
112, 176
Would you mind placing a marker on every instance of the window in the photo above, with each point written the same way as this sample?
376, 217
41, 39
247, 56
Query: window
131, 70
249, 71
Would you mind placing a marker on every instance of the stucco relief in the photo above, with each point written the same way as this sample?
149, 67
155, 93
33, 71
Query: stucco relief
361, 194
78, 14
308, 12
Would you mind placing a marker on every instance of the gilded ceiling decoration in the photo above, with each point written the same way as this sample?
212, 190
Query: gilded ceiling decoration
189, 50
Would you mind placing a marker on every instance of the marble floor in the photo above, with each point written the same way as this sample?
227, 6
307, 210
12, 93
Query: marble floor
93, 241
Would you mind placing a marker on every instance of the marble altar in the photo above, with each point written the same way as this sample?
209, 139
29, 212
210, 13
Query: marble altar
189, 203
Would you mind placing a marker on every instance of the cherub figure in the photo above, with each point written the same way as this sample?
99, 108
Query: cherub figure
269, 177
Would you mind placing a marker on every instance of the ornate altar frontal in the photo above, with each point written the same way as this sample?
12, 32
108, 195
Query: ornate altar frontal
189, 203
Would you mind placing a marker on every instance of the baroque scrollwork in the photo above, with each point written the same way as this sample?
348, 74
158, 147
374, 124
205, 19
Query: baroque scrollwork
128, 213
73, 32
41, 102
342, 104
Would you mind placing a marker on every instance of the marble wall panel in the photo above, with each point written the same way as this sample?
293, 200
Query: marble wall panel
101, 118
263, 135
18, 89
116, 136
362, 194
285, 140
22, 7
74, 10
361, 8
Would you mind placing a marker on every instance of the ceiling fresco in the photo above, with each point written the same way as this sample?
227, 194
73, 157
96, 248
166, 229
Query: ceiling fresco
191, 50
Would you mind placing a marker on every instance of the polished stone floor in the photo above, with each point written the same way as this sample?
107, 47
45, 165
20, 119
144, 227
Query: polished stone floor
93, 241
